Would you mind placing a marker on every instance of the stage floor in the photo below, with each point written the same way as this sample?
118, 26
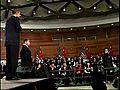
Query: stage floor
5, 84
109, 87
9, 84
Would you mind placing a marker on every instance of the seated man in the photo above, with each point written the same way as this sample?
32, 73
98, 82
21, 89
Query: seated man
25, 54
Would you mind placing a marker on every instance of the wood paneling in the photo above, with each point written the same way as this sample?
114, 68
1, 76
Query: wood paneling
74, 46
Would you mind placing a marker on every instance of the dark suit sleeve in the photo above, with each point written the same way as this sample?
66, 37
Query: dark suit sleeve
18, 27
26, 54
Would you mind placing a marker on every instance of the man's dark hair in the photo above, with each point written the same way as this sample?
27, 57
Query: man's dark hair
25, 40
14, 11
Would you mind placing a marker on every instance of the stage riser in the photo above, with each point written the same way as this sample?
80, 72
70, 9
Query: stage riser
47, 84
29, 84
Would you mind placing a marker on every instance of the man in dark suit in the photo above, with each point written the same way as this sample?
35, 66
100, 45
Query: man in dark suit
12, 36
107, 59
25, 54
107, 63
26, 61
97, 78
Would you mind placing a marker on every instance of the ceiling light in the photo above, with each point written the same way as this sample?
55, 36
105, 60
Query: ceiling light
98, 26
34, 12
112, 24
110, 6
49, 11
58, 29
94, 7
44, 30
84, 27
79, 8
9, 0
64, 9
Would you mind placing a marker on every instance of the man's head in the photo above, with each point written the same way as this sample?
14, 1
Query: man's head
27, 42
65, 64
76, 63
16, 13
40, 47
106, 50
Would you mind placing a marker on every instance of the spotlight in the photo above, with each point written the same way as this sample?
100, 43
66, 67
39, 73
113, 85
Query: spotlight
64, 9
44, 30
9, 0
79, 8
49, 11
94, 7
84, 27
98, 26
34, 12
71, 29
58, 29
110, 6
112, 24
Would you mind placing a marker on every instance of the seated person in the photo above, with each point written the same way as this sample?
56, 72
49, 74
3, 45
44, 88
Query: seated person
65, 74
42, 71
52, 70
77, 69
25, 54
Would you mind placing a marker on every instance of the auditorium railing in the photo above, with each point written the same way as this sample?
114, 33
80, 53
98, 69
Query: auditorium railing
83, 77
73, 76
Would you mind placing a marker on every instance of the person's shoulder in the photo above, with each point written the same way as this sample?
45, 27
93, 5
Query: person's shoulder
12, 17
24, 46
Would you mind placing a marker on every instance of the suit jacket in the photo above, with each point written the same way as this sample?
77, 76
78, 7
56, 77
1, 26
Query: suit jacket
12, 33
107, 60
25, 55
97, 79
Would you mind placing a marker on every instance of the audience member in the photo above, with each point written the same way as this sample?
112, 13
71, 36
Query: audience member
78, 72
107, 63
65, 73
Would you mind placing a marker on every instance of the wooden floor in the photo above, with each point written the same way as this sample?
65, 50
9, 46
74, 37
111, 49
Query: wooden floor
9, 84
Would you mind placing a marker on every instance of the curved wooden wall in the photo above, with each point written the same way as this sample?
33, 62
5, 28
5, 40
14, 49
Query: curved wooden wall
73, 41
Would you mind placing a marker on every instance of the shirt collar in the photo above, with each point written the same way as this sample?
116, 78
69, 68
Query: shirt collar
25, 45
